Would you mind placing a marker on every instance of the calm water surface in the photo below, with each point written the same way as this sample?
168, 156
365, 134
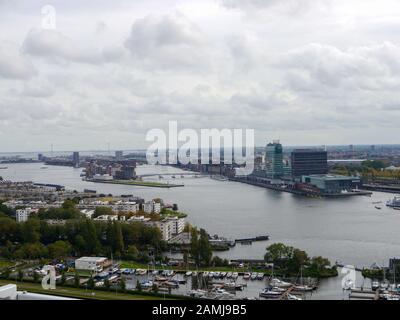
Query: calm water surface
349, 230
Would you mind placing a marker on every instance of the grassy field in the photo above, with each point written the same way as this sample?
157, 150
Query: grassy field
77, 292
6, 264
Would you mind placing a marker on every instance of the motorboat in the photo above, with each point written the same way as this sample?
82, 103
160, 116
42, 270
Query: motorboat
293, 297
247, 276
394, 203
270, 294
304, 288
141, 272
197, 293
375, 285
279, 283
160, 279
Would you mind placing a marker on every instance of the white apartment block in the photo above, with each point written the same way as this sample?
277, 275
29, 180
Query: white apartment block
178, 224
107, 218
169, 227
88, 213
152, 207
22, 215
125, 206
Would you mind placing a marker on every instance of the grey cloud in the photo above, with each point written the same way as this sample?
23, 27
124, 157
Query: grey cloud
15, 65
168, 42
56, 47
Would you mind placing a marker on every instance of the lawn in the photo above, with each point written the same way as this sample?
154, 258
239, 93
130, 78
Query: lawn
6, 264
78, 293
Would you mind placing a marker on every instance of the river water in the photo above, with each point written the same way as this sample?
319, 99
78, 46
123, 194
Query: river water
348, 230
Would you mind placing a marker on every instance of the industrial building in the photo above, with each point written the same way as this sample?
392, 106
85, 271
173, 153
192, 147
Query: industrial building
95, 264
331, 183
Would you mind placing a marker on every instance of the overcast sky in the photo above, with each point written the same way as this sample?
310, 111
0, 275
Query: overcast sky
307, 72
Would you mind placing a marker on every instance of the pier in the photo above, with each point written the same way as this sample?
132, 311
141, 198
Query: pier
250, 240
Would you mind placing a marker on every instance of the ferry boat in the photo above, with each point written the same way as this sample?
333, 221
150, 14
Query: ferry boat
394, 203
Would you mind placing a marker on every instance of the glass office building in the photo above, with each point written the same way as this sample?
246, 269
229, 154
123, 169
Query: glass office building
274, 160
308, 161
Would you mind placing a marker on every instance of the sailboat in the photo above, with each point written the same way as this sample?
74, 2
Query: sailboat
302, 287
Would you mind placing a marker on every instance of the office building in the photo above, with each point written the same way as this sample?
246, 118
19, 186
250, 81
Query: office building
75, 159
274, 160
308, 161
119, 155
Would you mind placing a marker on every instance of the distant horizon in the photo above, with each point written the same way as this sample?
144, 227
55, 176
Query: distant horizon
142, 149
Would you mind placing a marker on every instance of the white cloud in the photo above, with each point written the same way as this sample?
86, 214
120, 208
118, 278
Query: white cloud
13, 64
287, 68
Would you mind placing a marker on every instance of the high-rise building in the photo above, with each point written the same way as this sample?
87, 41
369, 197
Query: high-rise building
274, 160
118, 155
75, 159
309, 161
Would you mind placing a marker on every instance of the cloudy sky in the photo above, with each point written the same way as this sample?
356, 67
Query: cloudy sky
307, 72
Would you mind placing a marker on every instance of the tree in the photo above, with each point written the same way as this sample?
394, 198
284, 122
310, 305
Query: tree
63, 278
30, 231
35, 277
194, 246
319, 263
102, 211
122, 284
277, 253
59, 249
68, 204
299, 259
205, 250
138, 286
132, 253
90, 283
107, 284
118, 241
77, 280
20, 275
